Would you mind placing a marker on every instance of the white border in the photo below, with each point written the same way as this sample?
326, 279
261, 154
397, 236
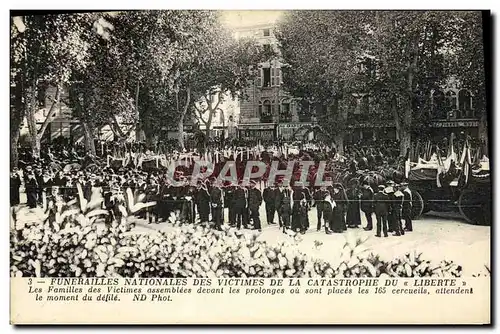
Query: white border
186, 4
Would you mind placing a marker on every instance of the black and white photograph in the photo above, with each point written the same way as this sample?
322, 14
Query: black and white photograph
250, 144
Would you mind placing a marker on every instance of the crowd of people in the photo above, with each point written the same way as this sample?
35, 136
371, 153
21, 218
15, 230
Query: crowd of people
337, 207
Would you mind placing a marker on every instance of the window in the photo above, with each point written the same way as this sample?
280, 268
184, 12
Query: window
365, 105
465, 103
275, 76
438, 104
451, 100
285, 114
266, 114
41, 97
305, 112
267, 32
266, 74
267, 48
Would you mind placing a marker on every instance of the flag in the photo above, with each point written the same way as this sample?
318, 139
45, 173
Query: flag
467, 166
464, 152
407, 167
440, 167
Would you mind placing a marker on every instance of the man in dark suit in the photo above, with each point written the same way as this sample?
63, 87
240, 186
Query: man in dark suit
397, 209
15, 184
203, 201
367, 204
284, 206
240, 197
380, 200
319, 198
217, 203
31, 186
254, 202
407, 207
269, 195
229, 203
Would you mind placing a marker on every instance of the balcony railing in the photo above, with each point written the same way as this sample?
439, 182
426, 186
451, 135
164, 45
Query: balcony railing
266, 118
304, 117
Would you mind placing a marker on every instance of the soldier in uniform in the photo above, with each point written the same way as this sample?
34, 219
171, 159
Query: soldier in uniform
407, 207
328, 205
186, 200
353, 209
339, 197
397, 208
31, 186
367, 204
319, 198
152, 195
165, 205
389, 190
217, 202
301, 200
203, 201
229, 203
40, 184
254, 202
269, 196
284, 205
381, 208
15, 184
240, 206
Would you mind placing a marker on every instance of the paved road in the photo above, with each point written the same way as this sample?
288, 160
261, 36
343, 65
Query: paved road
438, 236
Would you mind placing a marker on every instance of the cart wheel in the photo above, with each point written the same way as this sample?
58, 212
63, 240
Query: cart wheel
475, 207
417, 205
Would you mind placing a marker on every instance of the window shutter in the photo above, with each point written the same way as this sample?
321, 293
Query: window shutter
260, 77
279, 77
273, 81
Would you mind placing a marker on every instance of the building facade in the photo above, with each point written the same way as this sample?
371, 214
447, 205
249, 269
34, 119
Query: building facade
270, 113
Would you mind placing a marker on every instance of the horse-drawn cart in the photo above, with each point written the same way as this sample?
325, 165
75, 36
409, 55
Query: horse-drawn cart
467, 191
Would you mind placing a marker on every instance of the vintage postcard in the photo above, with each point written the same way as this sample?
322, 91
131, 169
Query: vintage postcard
240, 166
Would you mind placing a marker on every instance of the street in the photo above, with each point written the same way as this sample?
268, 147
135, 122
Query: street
438, 236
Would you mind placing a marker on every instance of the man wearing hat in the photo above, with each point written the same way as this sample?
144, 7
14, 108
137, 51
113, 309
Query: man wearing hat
389, 190
407, 207
31, 188
217, 203
269, 195
381, 206
367, 204
301, 201
229, 203
254, 202
152, 195
397, 209
283, 206
319, 198
15, 184
240, 197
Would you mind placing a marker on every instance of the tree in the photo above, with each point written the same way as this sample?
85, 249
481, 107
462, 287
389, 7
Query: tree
230, 67
46, 49
468, 62
411, 49
321, 50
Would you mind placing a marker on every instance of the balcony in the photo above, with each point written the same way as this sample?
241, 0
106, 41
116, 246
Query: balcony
305, 117
266, 118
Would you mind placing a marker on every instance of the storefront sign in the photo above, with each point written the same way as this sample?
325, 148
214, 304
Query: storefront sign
293, 125
265, 134
258, 126
455, 124
370, 125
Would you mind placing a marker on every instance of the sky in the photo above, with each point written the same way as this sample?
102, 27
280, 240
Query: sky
241, 18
